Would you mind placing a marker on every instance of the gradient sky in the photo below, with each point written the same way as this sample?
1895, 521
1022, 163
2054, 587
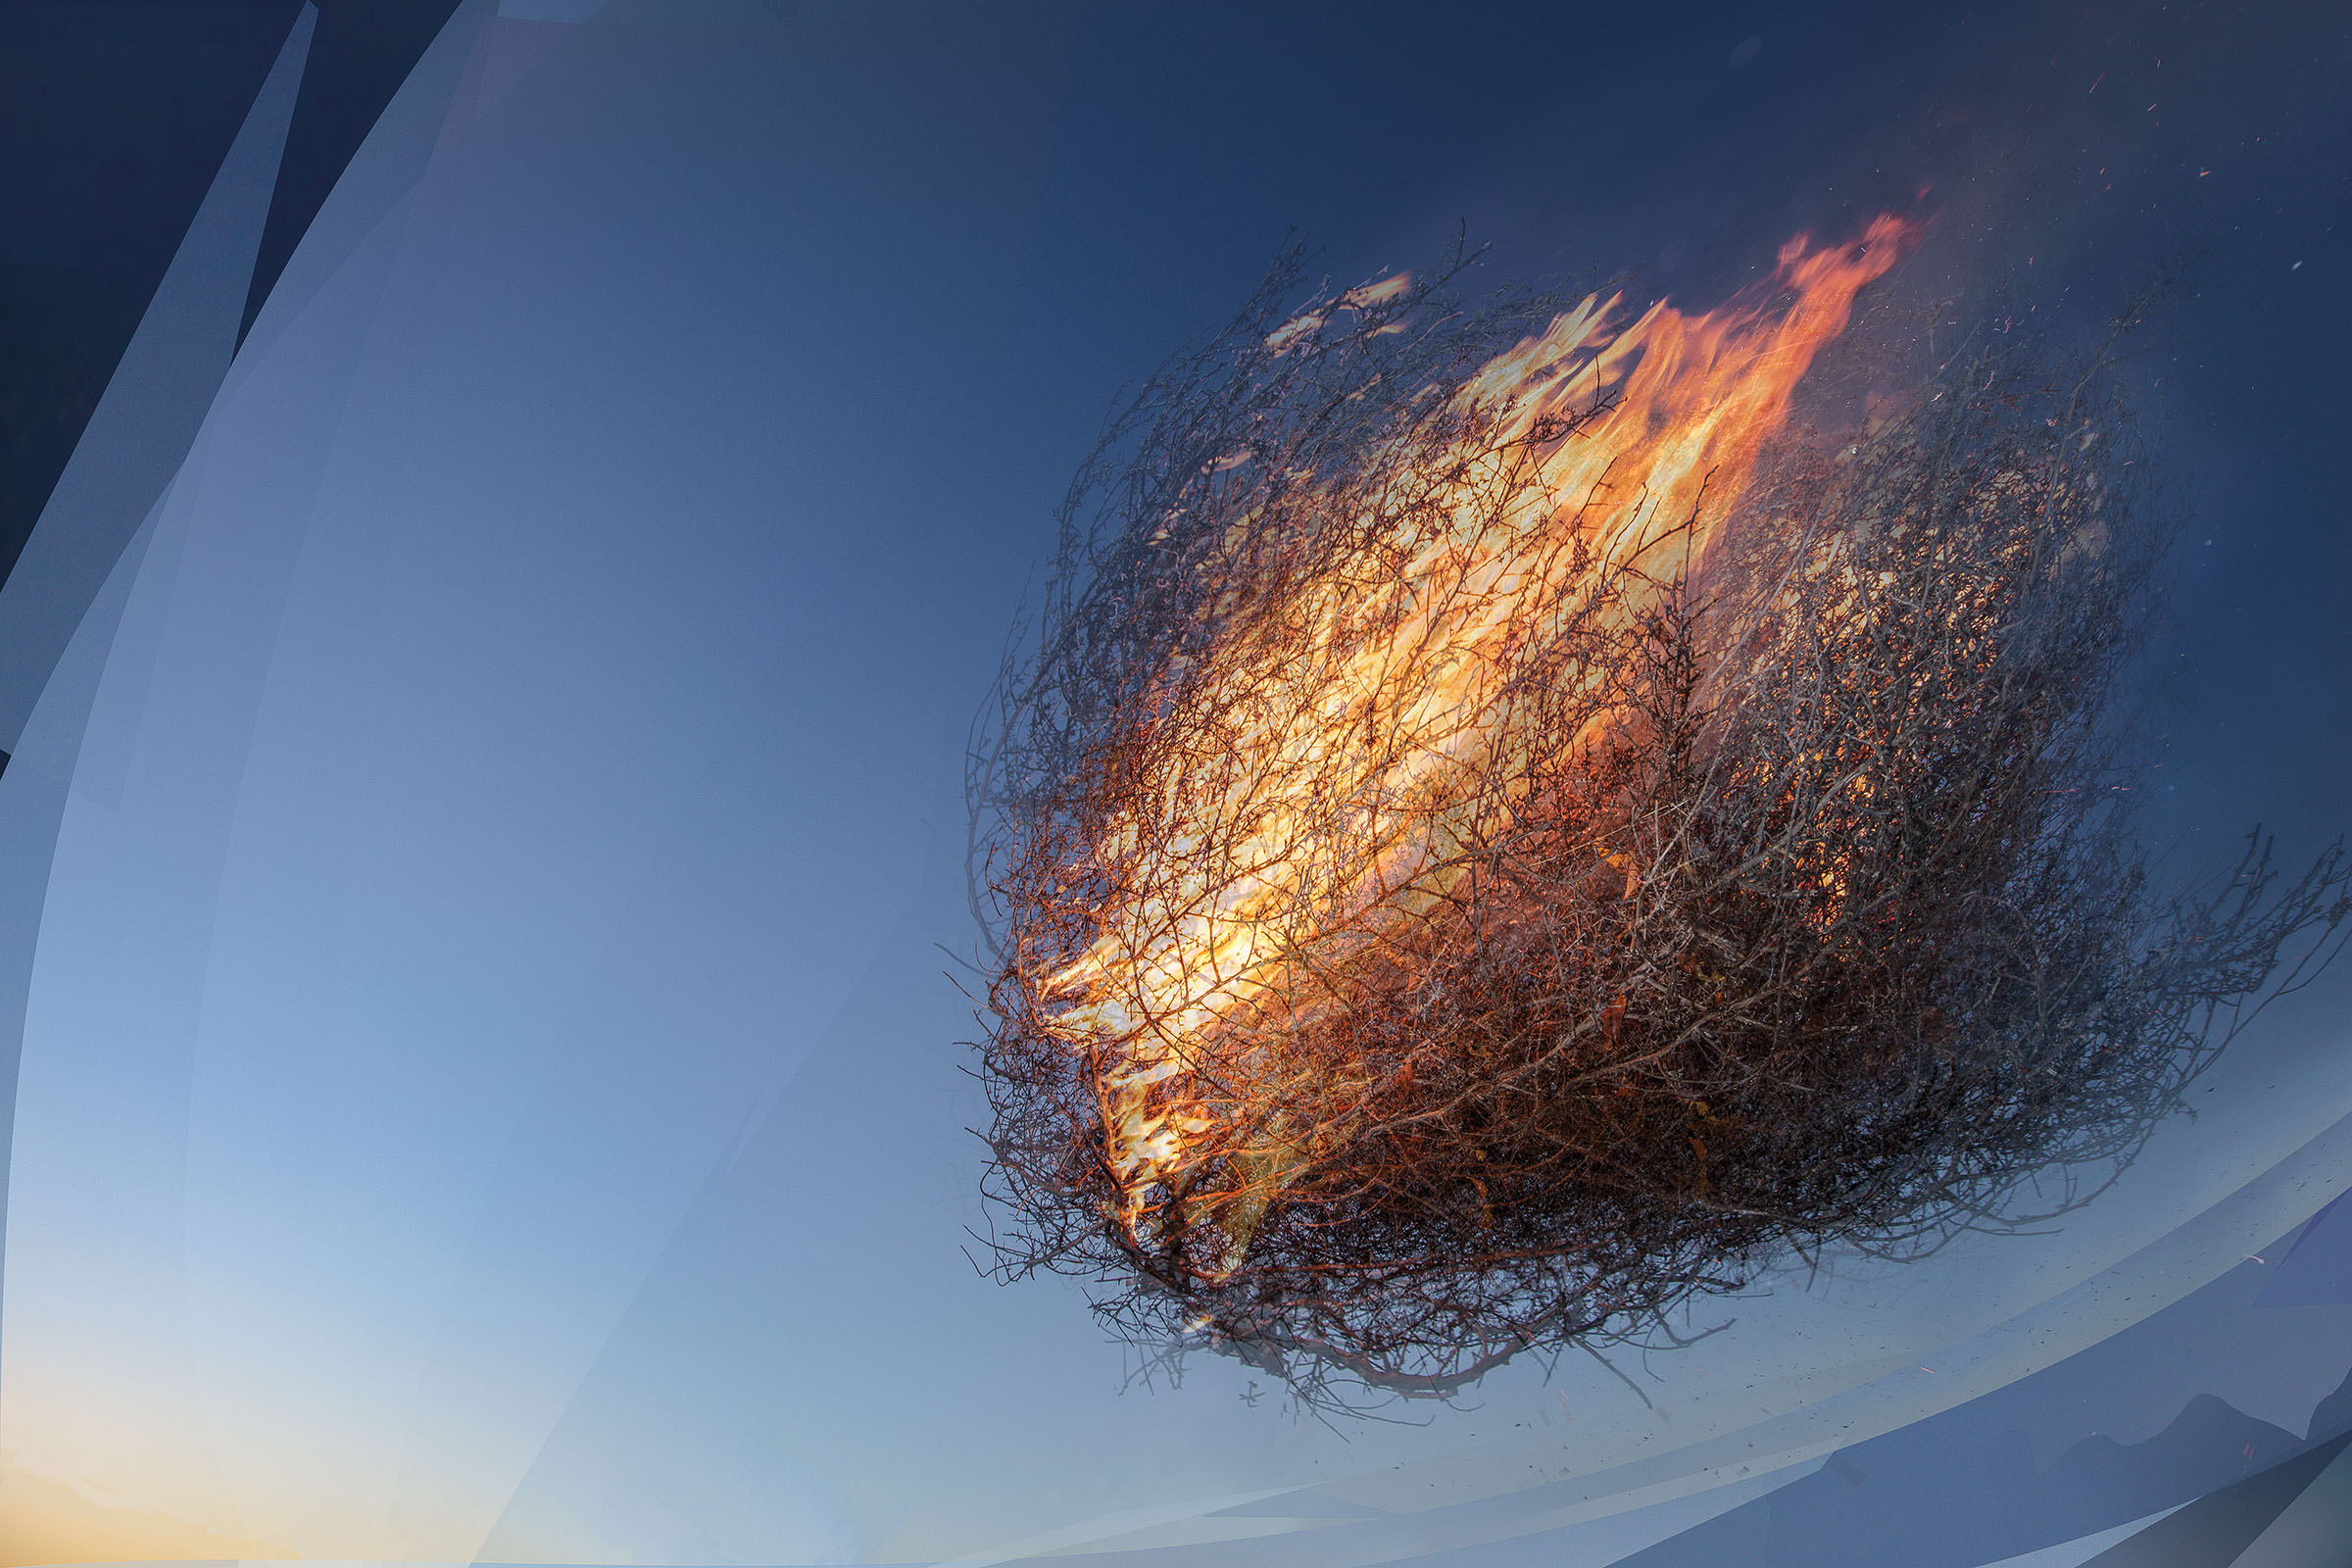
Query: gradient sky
489, 1086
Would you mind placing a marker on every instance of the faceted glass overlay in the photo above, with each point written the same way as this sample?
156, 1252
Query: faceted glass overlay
114, 134
487, 804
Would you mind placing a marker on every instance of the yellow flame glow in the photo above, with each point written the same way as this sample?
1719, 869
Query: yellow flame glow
1412, 653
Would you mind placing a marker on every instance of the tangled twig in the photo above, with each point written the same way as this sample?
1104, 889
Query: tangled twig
1437, 914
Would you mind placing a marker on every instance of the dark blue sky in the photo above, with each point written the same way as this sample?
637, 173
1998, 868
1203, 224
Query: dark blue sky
2066, 151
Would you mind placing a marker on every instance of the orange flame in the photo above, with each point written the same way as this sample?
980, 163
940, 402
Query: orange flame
1364, 833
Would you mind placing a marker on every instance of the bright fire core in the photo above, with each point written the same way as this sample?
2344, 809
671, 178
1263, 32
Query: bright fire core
1334, 777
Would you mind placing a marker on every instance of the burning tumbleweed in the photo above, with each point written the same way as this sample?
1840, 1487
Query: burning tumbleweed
1490, 835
